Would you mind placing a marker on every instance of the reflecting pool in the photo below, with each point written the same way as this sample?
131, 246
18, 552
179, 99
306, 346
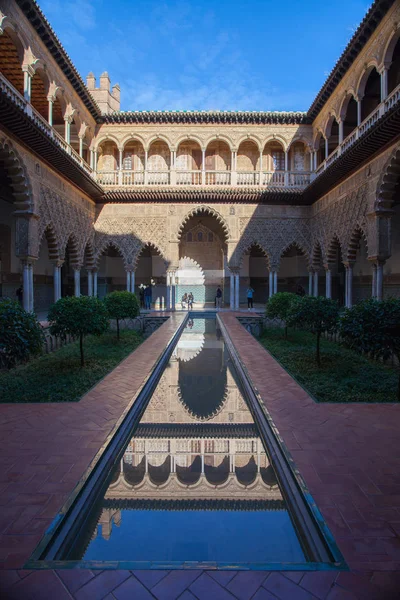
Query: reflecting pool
194, 483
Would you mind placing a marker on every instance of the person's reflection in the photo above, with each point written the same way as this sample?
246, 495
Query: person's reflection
218, 334
190, 323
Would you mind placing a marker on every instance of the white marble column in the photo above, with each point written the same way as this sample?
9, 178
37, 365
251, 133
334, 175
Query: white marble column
359, 106
95, 284
349, 286
237, 291
203, 166
315, 293
275, 282
373, 291
81, 146
57, 282
90, 282
173, 291
28, 74
310, 283
128, 281
232, 292
384, 84
50, 113
67, 134
77, 282
328, 283
341, 129
133, 282
271, 284
31, 293
168, 291
379, 280
25, 286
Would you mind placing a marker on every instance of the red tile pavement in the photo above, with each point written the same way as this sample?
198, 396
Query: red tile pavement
349, 456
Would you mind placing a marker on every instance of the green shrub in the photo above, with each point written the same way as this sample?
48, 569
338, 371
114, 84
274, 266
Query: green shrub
373, 327
121, 305
315, 314
20, 334
78, 316
279, 305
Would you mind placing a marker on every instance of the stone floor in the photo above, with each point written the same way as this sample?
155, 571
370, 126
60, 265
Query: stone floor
349, 456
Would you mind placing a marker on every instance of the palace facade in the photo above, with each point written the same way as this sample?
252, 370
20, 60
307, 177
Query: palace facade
94, 199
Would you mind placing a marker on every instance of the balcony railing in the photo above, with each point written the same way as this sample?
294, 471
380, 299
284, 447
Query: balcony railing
18, 99
365, 126
276, 179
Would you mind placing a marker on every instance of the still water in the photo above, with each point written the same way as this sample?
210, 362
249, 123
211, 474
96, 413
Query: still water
194, 483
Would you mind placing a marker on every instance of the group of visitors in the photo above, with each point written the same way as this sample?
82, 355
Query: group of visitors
145, 296
187, 300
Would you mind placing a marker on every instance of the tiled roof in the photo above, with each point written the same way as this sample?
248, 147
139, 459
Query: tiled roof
48, 36
364, 31
195, 430
208, 116
241, 505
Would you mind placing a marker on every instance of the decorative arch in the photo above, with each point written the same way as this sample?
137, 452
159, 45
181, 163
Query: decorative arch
298, 246
362, 81
390, 178
132, 137
356, 236
244, 250
106, 138
157, 138
205, 210
334, 245
276, 137
317, 256
250, 138
52, 243
317, 138
107, 243
189, 138
203, 417
74, 252
8, 26
18, 176
151, 245
300, 139
89, 256
390, 46
328, 125
220, 138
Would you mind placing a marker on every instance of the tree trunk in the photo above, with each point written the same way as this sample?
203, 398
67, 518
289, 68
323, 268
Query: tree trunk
81, 349
117, 329
318, 349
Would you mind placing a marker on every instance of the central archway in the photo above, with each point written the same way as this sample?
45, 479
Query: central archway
202, 258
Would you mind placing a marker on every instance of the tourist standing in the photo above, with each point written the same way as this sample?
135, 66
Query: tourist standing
250, 293
184, 300
190, 300
218, 298
147, 297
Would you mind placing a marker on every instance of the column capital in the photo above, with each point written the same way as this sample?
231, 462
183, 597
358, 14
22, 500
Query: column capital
58, 263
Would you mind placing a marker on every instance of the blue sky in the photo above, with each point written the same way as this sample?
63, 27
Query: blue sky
207, 55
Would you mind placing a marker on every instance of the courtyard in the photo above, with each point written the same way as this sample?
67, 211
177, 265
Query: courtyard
199, 306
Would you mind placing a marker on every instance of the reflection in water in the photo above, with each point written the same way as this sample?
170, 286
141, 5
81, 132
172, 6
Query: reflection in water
194, 483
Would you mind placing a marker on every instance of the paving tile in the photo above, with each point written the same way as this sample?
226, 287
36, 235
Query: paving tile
295, 576
263, 594
206, 587
319, 583
187, 596
246, 583
74, 579
222, 577
100, 586
39, 585
132, 588
174, 584
284, 589
151, 577
7, 579
338, 593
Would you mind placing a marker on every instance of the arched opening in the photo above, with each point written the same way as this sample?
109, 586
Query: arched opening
39, 92
74, 137
321, 149
372, 94
218, 163
394, 69
298, 157
111, 271
133, 158
349, 116
391, 269
58, 114
274, 163
362, 272
10, 266
71, 262
190, 474
293, 270
202, 268
44, 274
188, 163
158, 163
107, 163
248, 163
11, 55
245, 468
216, 468
254, 274
333, 136
150, 278
336, 266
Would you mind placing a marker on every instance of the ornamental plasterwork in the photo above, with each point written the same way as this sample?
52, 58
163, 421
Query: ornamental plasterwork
67, 220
